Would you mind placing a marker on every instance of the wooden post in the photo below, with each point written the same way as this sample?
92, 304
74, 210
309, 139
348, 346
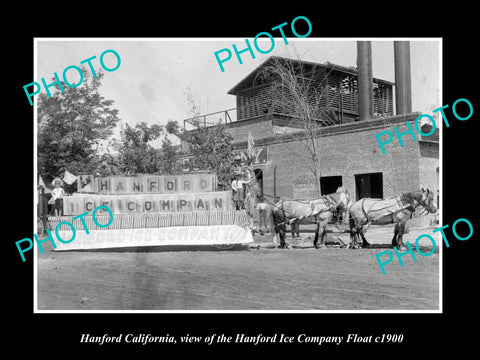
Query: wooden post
275, 183
43, 205
340, 103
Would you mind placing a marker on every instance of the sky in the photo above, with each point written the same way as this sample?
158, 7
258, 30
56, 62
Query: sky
155, 75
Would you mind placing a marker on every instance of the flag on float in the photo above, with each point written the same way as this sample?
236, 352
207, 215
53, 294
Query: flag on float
41, 183
251, 144
69, 178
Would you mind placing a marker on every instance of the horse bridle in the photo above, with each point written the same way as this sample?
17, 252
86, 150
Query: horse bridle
426, 207
331, 203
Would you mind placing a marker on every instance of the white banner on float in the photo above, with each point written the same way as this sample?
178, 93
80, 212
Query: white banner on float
149, 203
181, 235
139, 184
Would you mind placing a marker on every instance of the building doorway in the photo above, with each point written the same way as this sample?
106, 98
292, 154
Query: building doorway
259, 185
330, 184
369, 185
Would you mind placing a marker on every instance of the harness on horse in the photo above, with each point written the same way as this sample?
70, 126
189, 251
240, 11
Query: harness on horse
403, 202
330, 205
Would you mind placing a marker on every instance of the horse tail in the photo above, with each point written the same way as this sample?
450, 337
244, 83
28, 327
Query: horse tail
270, 219
353, 226
351, 221
354, 231
277, 217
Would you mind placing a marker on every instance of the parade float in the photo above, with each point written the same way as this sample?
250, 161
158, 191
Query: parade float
150, 210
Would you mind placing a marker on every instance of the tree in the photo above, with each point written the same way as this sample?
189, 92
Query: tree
168, 157
297, 92
71, 125
135, 153
212, 147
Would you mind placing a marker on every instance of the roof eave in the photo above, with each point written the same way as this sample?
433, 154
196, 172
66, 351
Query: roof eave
352, 71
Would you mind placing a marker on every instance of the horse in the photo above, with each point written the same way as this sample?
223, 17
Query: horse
395, 210
318, 211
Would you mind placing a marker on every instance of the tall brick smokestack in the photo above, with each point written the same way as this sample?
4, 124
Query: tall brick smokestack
365, 80
403, 83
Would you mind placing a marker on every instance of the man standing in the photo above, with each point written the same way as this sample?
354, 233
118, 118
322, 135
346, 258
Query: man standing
238, 190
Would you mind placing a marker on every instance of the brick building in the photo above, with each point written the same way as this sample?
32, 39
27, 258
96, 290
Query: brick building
349, 153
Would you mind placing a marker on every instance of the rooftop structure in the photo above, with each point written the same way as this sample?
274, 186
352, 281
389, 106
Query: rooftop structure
331, 92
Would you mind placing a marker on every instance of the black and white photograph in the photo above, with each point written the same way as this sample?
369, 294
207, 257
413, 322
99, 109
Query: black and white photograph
260, 174
285, 187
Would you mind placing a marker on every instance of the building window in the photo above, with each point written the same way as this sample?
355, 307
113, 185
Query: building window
369, 185
330, 184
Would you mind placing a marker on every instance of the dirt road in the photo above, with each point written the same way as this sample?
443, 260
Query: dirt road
243, 278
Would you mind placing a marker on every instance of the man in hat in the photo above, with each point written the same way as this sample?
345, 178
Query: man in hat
238, 189
237, 165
